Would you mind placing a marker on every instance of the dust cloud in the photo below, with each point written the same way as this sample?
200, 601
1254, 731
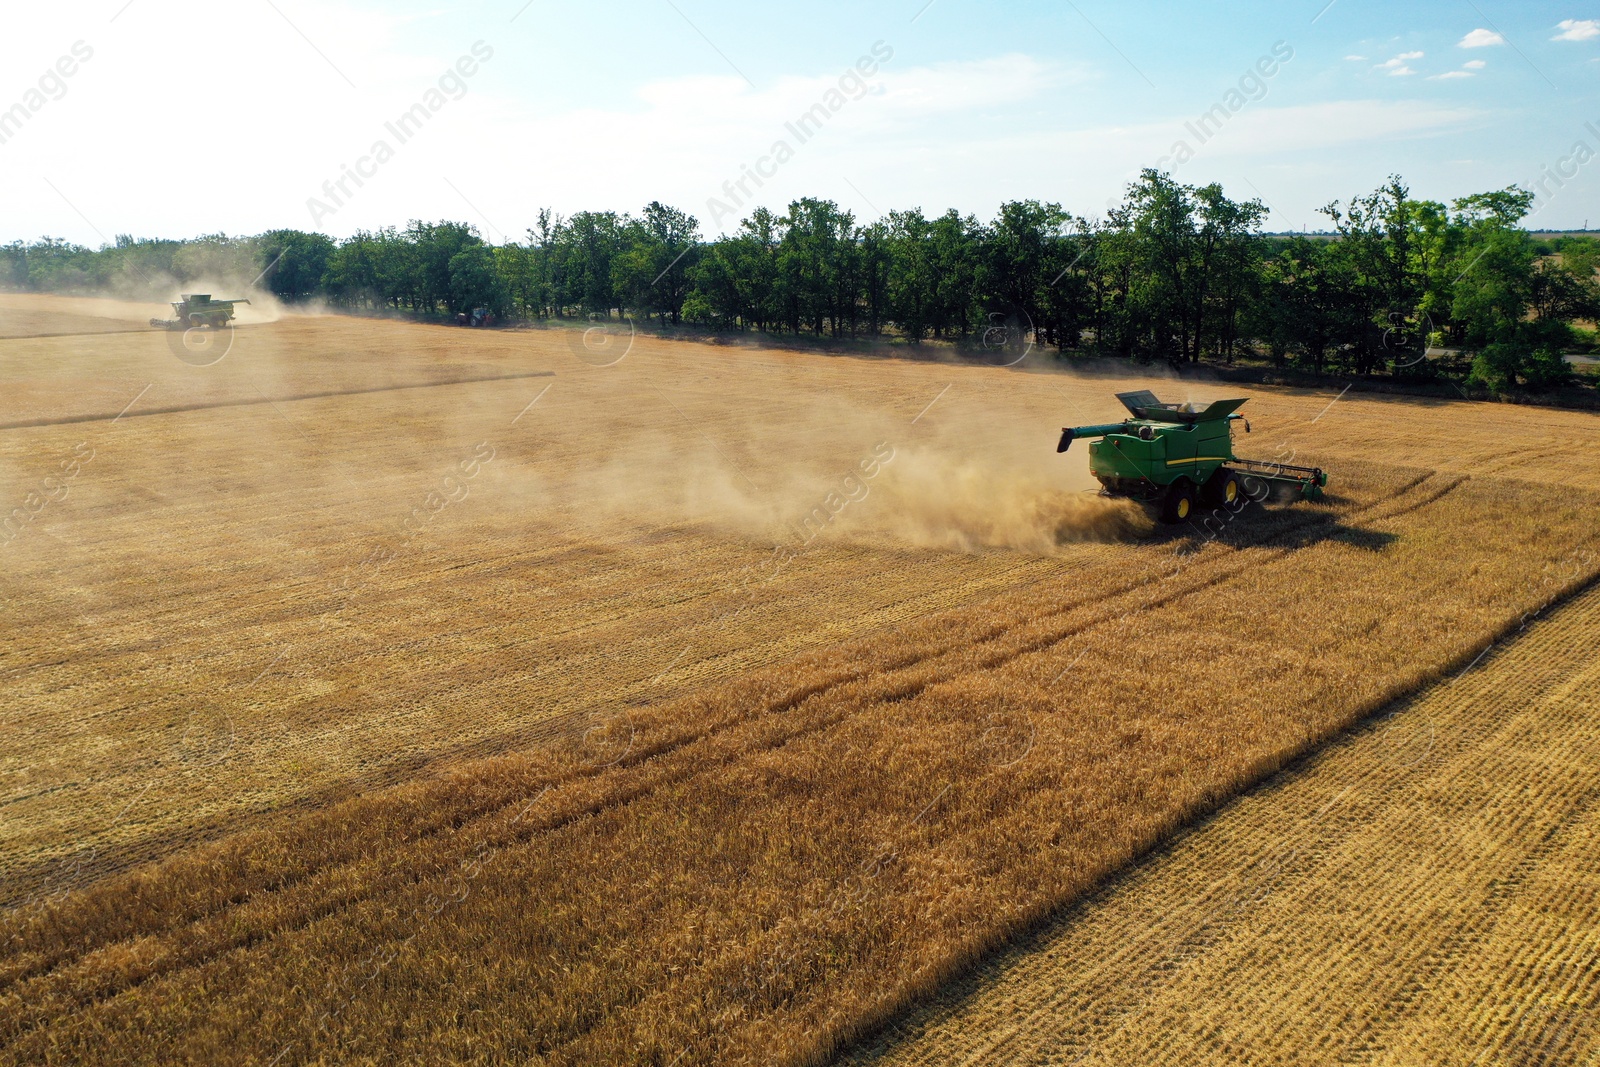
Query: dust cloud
934, 500
263, 307
848, 477
43, 314
137, 294
764, 450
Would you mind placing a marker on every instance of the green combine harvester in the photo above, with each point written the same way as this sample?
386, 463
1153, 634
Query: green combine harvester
199, 310
1181, 456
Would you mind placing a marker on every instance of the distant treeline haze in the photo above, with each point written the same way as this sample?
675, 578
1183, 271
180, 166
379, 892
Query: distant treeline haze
1175, 273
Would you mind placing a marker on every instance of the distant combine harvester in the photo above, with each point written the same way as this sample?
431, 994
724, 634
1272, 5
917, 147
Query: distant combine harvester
196, 310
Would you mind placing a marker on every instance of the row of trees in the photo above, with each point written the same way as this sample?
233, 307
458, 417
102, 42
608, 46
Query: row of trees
1175, 272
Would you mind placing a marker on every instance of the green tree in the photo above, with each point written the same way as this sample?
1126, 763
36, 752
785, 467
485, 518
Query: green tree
1191, 249
873, 272
588, 243
911, 280
475, 282
653, 271
1227, 258
294, 263
1312, 299
1494, 290
955, 253
1023, 252
351, 277
813, 265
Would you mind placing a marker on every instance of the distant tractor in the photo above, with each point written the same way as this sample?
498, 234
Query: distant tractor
1178, 457
199, 310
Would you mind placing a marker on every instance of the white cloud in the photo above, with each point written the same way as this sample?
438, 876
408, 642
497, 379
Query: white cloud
699, 132
942, 87
1294, 140
1480, 38
1397, 66
1577, 30
1466, 71
1358, 59
885, 145
1314, 126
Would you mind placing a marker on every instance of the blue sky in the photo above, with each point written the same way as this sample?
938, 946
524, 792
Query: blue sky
607, 106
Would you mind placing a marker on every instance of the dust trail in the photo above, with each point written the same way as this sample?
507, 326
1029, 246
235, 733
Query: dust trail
936, 500
667, 479
263, 307
54, 314
923, 495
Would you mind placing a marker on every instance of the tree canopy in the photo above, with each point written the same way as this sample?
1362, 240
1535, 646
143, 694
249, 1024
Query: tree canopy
1174, 272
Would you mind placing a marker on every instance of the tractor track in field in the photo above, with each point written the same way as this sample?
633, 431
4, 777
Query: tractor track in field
175, 409
112, 859
91, 333
570, 725
1524, 459
1220, 917
896, 680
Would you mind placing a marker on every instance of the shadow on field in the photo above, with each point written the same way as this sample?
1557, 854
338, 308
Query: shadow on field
1354, 536
1284, 526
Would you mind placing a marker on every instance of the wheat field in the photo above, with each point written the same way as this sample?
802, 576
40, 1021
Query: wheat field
325, 623
391, 692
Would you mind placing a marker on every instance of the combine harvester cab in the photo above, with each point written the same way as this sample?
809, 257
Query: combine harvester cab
196, 310
1179, 457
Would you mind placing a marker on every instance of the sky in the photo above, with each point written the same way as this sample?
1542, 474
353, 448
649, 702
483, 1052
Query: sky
175, 118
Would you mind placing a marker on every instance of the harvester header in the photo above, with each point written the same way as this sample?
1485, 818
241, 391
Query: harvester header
1177, 455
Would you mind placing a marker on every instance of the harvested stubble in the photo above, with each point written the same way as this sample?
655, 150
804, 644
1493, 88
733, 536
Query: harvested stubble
777, 862
1427, 891
29, 315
